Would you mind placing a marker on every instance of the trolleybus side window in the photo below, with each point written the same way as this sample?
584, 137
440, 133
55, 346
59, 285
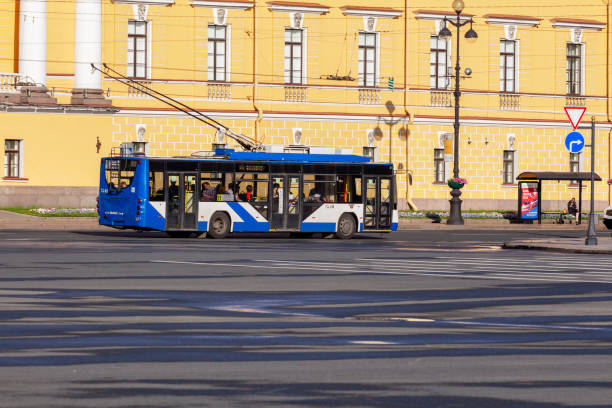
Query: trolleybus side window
316, 191
348, 189
156, 186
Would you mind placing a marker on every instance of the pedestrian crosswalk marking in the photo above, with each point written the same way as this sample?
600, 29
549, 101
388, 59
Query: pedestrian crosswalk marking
534, 269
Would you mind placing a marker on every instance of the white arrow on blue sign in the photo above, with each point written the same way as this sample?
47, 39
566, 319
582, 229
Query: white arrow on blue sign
574, 142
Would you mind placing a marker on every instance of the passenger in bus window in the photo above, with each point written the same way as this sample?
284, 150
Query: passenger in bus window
173, 189
208, 194
275, 197
247, 195
223, 194
122, 185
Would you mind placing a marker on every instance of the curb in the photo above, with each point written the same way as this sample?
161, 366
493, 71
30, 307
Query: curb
569, 246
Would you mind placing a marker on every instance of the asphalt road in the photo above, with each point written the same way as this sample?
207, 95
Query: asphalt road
412, 319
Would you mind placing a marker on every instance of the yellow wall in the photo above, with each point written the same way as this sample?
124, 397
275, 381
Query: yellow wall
331, 112
59, 149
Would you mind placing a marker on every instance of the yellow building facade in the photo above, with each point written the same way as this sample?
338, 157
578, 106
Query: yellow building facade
348, 75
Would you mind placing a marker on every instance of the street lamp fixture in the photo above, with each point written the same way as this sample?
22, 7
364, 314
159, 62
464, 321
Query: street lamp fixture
454, 217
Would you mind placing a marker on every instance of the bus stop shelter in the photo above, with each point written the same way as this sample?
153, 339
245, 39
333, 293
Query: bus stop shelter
530, 190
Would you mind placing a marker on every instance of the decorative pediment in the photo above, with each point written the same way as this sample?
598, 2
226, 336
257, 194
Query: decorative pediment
295, 7
511, 20
440, 15
578, 23
235, 4
377, 12
145, 2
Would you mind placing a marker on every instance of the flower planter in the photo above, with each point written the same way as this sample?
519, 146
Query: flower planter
453, 184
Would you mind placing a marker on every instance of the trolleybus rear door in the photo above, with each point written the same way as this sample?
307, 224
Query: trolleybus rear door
378, 207
285, 202
182, 206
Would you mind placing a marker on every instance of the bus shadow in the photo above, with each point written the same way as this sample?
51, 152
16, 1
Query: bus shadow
235, 235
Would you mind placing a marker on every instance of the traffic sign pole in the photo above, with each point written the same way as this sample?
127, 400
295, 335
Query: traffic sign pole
591, 238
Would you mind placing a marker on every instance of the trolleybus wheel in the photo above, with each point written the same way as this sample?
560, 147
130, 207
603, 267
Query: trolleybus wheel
219, 226
346, 227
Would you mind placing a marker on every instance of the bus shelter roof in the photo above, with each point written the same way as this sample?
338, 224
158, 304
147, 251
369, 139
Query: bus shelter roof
556, 175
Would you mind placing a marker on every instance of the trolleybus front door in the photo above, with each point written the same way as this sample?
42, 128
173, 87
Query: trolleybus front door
378, 207
285, 202
182, 205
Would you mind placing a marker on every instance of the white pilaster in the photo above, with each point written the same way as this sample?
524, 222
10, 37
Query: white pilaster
87, 43
33, 41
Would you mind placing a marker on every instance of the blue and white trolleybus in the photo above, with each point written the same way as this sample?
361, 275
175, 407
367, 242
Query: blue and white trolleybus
234, 191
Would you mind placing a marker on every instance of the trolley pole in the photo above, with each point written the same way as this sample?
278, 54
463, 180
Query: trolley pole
591, 237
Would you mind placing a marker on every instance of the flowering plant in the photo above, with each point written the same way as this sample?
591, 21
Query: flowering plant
609, 181
457, 180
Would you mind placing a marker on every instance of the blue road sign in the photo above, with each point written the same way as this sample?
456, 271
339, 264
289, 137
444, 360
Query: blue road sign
574, 142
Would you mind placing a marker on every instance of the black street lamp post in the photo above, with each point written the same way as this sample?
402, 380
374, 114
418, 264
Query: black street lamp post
454, 217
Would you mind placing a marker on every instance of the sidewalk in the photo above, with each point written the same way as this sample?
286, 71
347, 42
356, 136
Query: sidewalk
10, 220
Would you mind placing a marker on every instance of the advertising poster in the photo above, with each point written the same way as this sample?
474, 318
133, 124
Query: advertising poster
529, 201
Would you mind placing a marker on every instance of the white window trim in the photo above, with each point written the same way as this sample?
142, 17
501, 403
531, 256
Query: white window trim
582, 68
21, 159
228, 53
377, 77
515, 166
516, 65
449, 66
304, 54
303, 57
149, 47
517, 60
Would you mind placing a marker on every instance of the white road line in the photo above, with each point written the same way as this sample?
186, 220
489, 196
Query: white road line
446, 274
243, 265
483, 262
471, 266
316, 263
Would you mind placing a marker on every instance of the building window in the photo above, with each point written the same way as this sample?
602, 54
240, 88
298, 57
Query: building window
137, 49
507, 66
574, 165
438, 63
509, 167
439, 166
294, 53
574, 69
370, 151
217, 53
11, 159
367, 59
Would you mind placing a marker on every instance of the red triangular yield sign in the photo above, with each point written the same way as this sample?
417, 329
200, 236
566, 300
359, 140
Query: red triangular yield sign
575, 115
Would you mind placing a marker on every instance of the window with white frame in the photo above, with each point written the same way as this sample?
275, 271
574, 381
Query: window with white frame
439, 166
367, 58
507, 66
137, 49
509, 166
371, 152
438, 63
12, 158
294, 54
574, 165
574, 69
217, 52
